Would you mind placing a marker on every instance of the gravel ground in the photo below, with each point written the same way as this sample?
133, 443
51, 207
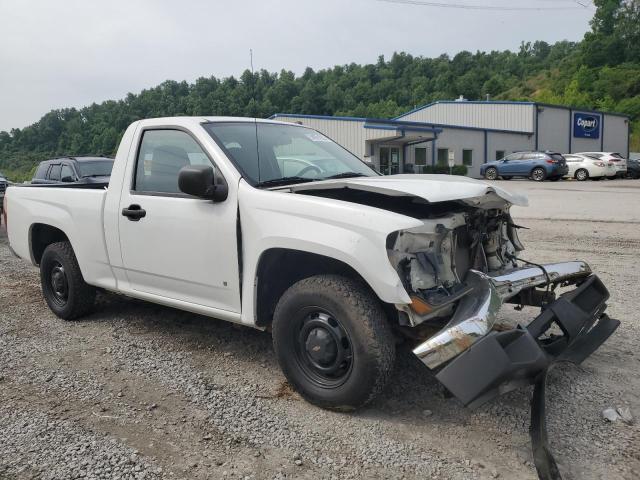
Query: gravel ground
141, 391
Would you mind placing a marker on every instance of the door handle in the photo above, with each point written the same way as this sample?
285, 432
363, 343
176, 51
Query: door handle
134, 212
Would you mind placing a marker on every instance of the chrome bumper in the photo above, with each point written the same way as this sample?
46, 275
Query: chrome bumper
476, 313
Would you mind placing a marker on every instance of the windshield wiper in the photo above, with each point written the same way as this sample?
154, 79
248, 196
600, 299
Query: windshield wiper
345, 175
276, 182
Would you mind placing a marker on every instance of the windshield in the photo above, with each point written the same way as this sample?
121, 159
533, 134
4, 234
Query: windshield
95, 168
282, 154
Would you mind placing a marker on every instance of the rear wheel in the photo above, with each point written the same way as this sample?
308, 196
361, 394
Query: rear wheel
538, 174
582, 174
63, 286
491, 173
333, 341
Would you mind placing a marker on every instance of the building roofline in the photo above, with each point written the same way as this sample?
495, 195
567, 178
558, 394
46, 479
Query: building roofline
499, 102
399, 123
579, 110
319, 117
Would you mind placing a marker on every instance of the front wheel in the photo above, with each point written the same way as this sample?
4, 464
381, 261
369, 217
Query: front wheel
538, 174
491, 173
63, 286
333, 342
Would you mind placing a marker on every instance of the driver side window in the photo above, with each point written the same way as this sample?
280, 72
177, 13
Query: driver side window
161, 155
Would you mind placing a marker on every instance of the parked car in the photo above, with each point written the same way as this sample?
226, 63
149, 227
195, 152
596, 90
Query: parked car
74, 170
338, 267
614, 158
583, 167
537, 166
633, 168
4, 183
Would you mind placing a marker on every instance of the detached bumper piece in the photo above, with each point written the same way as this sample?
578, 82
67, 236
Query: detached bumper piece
502, 361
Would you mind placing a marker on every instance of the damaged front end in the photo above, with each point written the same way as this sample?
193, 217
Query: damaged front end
459, 268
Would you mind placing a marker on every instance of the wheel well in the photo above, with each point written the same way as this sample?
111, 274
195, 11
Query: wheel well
41, 236
280, 268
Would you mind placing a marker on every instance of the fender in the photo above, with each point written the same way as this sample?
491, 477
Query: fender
353, 234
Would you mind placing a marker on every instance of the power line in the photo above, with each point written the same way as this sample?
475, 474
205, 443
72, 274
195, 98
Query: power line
464, 6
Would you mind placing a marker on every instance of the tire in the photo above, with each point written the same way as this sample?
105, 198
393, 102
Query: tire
63, 286
582, 175
538, 174
491, 173
346, 319
508, 177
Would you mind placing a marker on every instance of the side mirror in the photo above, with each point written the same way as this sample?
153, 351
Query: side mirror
199, 181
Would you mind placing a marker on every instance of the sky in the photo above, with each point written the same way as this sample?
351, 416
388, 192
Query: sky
71, 53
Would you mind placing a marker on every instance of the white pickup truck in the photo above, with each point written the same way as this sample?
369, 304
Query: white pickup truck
275, 226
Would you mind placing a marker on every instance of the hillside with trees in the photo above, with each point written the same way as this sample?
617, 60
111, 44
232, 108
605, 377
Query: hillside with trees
600, 72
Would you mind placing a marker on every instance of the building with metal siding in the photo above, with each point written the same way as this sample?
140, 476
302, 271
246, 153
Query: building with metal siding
476, 132
517, 117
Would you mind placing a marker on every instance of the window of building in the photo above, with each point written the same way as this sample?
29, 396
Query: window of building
421, 156
467, 157
500, 154
443, 156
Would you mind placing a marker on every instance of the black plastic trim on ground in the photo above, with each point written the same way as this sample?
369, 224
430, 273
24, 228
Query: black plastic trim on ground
542, 458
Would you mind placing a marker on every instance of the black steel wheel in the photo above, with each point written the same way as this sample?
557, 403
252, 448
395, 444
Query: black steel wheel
63, 286
333, 341
323, 349
491, 173
59, 284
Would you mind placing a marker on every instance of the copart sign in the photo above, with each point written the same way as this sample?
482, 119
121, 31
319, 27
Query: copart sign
586, 125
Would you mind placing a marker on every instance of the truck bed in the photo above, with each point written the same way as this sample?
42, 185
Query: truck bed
76, 210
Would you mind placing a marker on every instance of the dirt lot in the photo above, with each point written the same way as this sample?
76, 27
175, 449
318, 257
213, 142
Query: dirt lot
141, 391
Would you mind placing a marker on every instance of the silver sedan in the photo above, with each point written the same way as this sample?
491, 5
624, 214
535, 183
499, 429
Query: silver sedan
582, 167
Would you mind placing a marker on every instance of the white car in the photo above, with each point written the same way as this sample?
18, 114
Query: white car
198, 215
614, 158
583, 167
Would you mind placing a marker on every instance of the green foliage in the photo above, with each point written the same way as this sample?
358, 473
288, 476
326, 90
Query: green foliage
602, 71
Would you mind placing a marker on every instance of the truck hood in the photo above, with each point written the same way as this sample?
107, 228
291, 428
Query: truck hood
432, 188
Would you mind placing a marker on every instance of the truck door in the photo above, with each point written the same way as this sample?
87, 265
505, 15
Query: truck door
174, 245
